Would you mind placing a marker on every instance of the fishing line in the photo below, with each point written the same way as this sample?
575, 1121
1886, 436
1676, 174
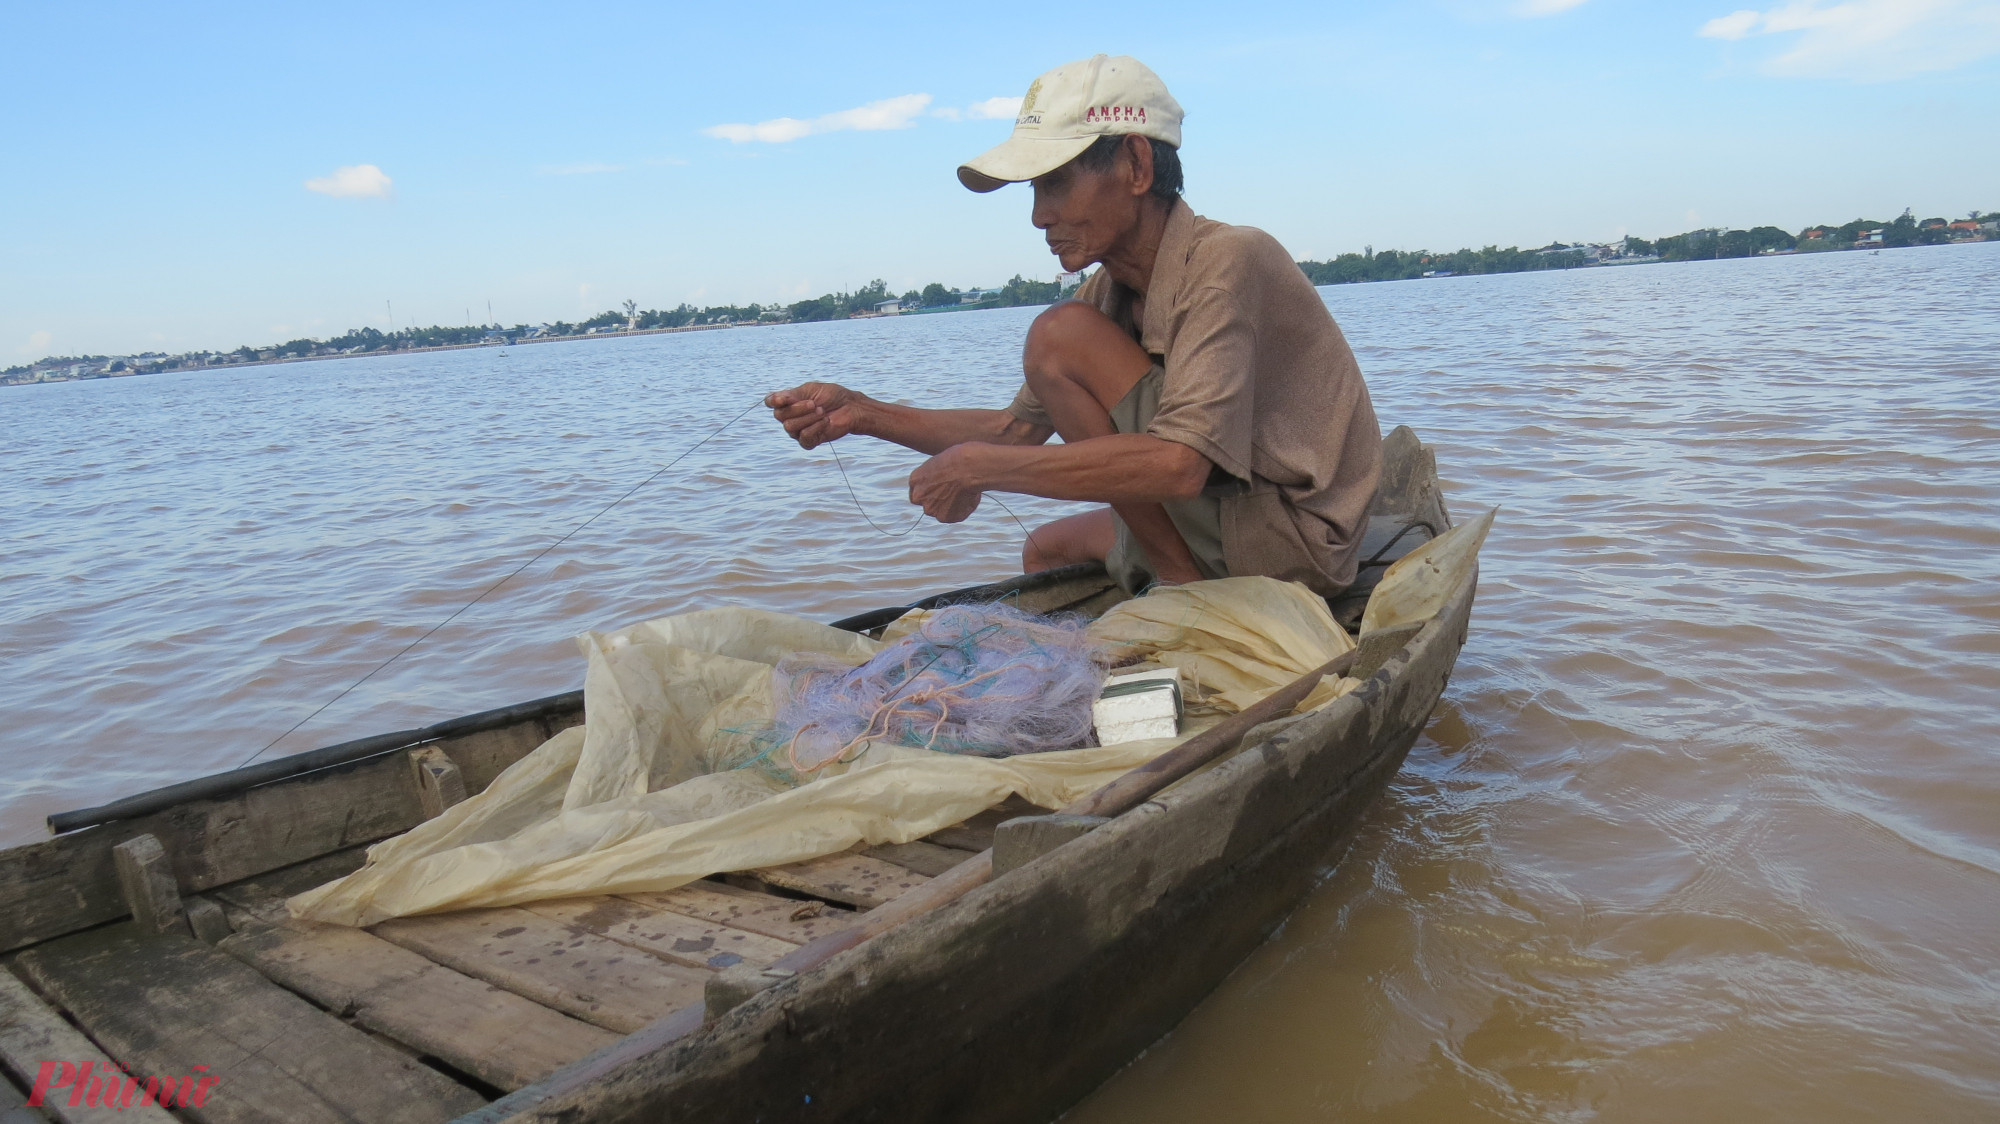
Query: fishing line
838, 463
1017, 521
572, 532
919, 516
539, 555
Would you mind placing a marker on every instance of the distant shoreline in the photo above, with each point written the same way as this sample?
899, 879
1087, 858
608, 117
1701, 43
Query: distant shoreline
273, 362
522, 341
368, 341
1390, 265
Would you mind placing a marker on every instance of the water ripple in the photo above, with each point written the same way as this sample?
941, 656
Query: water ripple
1704, 828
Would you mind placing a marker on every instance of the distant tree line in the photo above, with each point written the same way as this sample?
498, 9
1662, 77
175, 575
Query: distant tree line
1904, 230
832, 306
372, 339
1704, 245
1695, 245
835, 306
1398, 265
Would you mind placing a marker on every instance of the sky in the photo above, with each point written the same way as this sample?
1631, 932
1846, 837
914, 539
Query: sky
202, 176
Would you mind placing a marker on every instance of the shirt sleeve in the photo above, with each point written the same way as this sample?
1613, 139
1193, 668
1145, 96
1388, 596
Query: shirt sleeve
1208, 398
1028, 408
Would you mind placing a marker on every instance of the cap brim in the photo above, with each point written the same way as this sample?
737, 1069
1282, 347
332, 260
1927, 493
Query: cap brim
1020, 159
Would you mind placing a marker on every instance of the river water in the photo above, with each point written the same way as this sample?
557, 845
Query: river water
1706, 827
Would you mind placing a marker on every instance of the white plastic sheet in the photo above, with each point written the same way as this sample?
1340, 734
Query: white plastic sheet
645, 796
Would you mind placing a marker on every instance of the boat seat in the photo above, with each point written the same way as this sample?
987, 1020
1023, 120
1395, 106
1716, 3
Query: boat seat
1387, 539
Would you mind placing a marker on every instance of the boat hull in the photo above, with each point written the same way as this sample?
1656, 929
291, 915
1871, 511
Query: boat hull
1016, 1001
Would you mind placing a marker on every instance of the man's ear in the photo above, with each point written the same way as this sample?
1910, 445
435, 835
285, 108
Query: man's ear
1140, 152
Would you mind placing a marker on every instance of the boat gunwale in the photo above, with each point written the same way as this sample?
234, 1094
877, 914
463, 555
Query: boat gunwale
297, 765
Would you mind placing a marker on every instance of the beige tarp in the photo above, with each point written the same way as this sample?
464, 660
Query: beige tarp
647, 795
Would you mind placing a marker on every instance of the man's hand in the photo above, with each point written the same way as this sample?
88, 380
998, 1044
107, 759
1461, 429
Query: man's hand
945, 486
817, 412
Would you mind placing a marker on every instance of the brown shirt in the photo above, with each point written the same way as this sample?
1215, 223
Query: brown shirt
1259, 380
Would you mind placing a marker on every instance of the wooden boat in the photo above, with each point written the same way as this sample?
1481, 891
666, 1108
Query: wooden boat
148, 938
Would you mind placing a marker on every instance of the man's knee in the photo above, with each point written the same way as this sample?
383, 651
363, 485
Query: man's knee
1033, 559
1073, 345
1038, 555
1085, 537
1060, 341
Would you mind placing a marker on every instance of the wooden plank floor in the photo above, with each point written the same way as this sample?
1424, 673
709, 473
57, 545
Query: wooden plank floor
500, 997
787, 919
555, 963
163, 1005
32, 1035
495, 1035
926, 858
849, 879
677, 938
13, 1108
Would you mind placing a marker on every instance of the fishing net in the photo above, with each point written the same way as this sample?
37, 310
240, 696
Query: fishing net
984, 680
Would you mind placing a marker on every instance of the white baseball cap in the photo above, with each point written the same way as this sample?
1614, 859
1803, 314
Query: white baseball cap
1067, 109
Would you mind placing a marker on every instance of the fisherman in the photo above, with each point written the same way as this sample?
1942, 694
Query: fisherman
1202, 390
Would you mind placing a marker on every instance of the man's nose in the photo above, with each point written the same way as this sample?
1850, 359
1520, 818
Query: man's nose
1041, 214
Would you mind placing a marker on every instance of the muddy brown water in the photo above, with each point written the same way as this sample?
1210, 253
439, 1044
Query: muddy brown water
1706, 828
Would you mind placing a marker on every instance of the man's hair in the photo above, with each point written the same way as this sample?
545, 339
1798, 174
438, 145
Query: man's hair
1166, 162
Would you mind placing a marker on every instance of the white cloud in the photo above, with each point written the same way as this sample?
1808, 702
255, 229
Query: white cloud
1535, 8
992, 109
356, 181
579, 169
1868, 40
1735, 25
778, 130
889, 113
37, 341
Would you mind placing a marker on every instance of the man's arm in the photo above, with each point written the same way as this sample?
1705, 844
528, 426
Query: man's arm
818, 412
1120, 468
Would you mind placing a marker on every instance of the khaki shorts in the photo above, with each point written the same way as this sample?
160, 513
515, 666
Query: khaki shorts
1199, 520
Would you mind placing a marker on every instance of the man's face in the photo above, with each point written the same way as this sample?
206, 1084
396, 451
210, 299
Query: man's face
1084, 213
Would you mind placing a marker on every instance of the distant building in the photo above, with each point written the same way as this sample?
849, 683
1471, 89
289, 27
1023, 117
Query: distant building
974, 296
1589, 251
888, 308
